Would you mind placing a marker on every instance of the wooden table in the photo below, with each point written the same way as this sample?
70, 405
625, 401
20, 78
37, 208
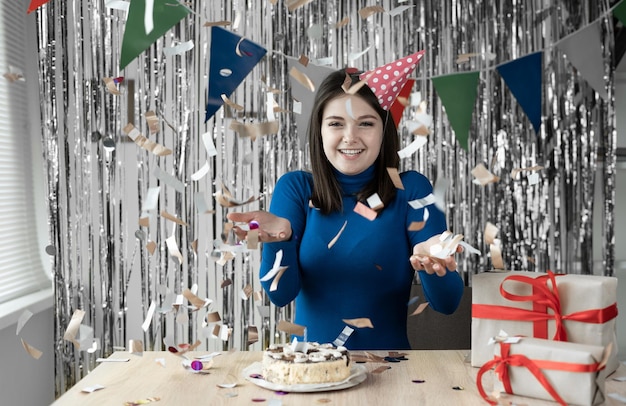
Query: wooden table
143, 377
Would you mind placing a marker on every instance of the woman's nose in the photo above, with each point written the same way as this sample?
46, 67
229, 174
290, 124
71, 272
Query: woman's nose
349, 134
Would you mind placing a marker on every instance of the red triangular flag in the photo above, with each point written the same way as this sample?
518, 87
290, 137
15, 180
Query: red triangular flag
397, 107
35, 4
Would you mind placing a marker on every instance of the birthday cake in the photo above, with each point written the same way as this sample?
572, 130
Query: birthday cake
305, 363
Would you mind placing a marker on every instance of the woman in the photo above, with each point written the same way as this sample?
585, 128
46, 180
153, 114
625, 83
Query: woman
341, 265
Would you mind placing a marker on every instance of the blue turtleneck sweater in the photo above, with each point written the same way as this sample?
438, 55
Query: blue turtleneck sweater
366, 273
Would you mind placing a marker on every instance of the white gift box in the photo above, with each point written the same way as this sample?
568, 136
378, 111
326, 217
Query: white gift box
533, 367
587, 305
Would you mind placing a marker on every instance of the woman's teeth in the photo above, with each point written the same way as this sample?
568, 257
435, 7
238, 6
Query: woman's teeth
351, 151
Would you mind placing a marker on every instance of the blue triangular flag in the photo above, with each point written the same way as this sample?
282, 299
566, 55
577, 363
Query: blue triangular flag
232, 59
523, 77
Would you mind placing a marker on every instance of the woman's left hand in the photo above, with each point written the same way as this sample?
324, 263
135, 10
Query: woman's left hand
421, 260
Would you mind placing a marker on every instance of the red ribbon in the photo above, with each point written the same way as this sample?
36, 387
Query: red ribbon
502, 362
543, 298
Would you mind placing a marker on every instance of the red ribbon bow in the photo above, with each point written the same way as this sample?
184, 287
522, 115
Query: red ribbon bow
506, 359
543, 297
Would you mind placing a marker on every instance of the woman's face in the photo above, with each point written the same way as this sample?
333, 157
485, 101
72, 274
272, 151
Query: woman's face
352, 134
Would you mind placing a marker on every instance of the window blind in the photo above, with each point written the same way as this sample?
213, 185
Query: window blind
21, 270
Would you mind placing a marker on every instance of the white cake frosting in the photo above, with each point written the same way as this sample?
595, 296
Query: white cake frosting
305, 363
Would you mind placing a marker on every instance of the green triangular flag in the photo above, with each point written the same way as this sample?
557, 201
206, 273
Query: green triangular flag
147, 21
620, 12
458, 96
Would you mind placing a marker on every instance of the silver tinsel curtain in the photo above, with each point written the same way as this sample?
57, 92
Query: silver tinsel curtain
99, 180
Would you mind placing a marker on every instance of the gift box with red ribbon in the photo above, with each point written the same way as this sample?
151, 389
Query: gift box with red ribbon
568, 373
562, 307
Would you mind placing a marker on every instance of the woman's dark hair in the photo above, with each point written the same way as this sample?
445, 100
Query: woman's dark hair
326, 194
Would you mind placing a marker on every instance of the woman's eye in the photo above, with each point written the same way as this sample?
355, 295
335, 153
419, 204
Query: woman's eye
334, 124
367, 124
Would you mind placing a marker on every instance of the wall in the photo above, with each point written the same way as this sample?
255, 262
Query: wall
23, 379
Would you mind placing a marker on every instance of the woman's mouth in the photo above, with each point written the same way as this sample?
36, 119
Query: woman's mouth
351, 152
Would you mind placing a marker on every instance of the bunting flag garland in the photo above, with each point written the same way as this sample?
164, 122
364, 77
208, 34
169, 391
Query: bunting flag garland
584, 50
232, 58
139, 36
523, 77
35, 4
458, 95
619, 12
398, 105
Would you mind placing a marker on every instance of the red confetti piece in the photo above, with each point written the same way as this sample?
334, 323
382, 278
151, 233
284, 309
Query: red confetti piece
258, 400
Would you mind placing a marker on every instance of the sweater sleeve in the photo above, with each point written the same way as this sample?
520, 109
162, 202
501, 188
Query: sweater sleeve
442, 292
289, 200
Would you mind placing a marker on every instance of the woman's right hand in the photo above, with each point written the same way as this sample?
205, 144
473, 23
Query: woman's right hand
271, 227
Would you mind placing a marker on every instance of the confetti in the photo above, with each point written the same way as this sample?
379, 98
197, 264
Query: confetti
145, 143
295, 4
73, 326
359, 323
367, 12
142, 401
418, 381
290, 328
365, 211
302, 79
32, 351
335, 238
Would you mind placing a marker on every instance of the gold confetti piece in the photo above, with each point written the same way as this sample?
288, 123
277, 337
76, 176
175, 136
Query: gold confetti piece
110, 85
73, 327
496, 256
302, 79
153, 121
32, 351
145, 143
232, 104
355, 88
246, 291
213, 317
419, 309
226, 199
253, 335
290, 328
151, 247
483, 176
135, 347
343, 22
144, 221
347, 82
258, 295
381, 369
173, 218
365, 211
516, 171
226, 256
416, 225
254, 130
226, 282
304, 60
359, 323
296, 4
194, 246
253, 239
395, 178
490, 233
334, 240
396, 354
221, 23
367, 12
324, 400
194, 300
142, 401
276, 279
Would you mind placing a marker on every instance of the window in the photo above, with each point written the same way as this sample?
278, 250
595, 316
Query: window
21, 266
